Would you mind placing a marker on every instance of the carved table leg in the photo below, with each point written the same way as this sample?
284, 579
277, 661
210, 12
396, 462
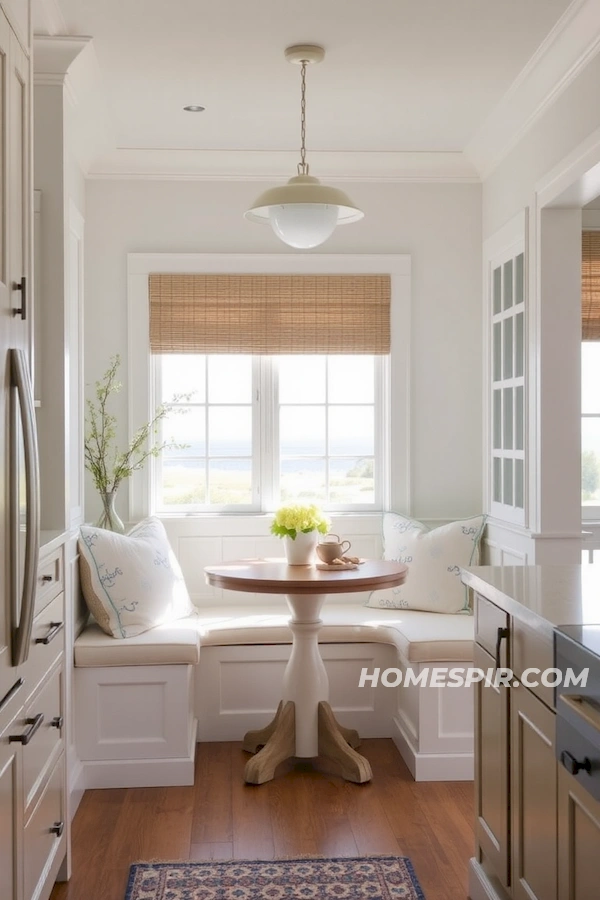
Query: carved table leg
281, 745
350, 735
332, 744
255, 739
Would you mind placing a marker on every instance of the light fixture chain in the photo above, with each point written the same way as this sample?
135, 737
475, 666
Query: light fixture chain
303, 167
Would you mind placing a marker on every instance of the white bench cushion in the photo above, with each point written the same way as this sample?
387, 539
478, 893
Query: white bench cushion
172, 644
419, 636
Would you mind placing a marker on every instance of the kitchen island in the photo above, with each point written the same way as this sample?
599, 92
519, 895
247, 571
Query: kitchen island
537, 825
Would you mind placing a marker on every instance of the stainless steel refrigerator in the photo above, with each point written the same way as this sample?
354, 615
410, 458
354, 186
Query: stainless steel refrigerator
19, 506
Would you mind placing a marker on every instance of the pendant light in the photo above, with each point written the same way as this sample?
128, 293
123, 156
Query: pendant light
304, 212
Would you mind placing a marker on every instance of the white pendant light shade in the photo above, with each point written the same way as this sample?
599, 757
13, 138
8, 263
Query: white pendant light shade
303, 225
303, 213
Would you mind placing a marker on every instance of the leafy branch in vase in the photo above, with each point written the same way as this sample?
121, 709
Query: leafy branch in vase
107, 464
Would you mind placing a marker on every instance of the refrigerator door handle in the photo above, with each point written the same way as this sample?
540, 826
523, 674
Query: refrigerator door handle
24, 399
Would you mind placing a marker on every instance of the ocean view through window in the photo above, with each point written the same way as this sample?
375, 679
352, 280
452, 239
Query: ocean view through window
258, 431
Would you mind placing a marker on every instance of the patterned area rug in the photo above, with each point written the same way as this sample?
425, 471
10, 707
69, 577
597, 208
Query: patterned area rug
367, 878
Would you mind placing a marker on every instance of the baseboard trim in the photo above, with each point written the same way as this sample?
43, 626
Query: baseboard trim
431, 766
480, 886
76, 787
132, 773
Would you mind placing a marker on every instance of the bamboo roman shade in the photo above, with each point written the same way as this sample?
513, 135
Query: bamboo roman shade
269, 314
590, 286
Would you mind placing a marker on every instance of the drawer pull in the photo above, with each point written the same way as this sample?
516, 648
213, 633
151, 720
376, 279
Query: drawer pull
46, 578
24, 738
57, 722
573, 765
500, 636
57, 828
7, 697
55, 627
22, 309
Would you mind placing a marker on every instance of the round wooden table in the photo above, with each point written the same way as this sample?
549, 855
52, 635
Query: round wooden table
304, 725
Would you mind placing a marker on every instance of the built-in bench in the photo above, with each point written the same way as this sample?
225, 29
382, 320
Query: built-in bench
143, 702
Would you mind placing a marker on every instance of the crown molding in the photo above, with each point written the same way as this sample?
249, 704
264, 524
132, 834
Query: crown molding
568, 48
273, 165
53, 55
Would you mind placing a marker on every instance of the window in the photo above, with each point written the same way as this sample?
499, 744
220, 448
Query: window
508, 387
590, 427
590, 374
258, 431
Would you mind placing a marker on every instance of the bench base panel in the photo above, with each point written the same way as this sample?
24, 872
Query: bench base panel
431, 766
133, 773
245, 688
137, 725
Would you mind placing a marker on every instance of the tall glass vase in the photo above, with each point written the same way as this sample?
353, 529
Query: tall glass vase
109, 518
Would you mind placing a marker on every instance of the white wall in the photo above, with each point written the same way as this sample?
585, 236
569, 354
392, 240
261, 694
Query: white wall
562, 128
559, 141
439, 225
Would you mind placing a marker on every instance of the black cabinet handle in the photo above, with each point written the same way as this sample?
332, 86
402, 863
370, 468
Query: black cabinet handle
57, 722
55, 627
24, 738
46, 578
573, 765
501, 634
10, 694
22, 309
57, 828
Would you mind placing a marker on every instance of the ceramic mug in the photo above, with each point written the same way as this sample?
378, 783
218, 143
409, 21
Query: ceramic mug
332, 548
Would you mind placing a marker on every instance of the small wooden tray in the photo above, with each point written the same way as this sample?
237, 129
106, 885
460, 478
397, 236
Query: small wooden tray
330, 567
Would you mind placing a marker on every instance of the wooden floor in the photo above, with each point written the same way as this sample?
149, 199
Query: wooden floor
303, 812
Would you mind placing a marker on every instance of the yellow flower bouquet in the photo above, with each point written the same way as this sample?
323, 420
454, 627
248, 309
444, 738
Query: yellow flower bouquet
292, 520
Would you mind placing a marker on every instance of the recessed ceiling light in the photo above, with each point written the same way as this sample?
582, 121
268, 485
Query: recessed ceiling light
194, 108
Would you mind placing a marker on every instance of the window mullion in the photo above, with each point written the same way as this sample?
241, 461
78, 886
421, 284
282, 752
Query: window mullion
259, 444
206, 432
269, 432
327, 491
155, 469
382, 436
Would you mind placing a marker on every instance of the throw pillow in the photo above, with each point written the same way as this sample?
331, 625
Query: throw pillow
132, 582
434, 558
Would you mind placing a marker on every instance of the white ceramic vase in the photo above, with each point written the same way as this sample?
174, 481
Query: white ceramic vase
301, 550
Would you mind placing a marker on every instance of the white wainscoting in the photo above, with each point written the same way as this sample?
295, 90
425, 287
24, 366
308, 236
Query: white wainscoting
505, 544
200, 541
238, 688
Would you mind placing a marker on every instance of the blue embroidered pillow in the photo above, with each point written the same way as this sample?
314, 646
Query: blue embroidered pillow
132, 582
434, 558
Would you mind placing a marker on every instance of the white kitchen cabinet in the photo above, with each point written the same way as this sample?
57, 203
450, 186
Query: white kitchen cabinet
11, 817
33, 801
15, 167
18, 13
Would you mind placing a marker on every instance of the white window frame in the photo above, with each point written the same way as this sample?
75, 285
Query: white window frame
394, 373
590, 222
503, 247
265, 429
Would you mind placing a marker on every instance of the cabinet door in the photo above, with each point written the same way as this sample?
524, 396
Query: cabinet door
11, 826
20, 199
533, 797
578, 840
10, 700
491, 771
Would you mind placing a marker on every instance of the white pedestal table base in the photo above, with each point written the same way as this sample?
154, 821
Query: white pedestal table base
304, 725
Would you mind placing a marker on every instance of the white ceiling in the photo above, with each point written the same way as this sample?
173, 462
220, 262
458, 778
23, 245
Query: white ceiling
399, 75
